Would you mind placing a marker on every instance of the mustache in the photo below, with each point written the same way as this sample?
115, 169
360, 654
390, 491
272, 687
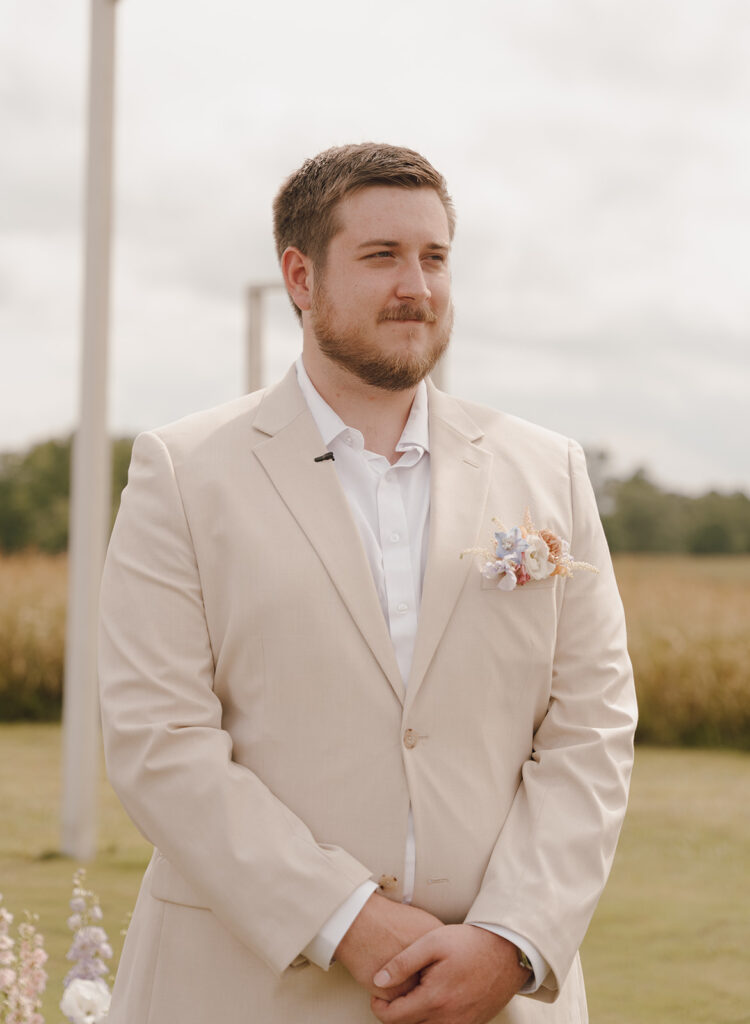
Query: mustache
408, 311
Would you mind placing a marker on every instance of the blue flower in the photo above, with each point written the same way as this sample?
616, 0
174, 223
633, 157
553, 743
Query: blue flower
510, 545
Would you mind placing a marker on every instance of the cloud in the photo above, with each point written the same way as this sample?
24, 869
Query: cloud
597, 154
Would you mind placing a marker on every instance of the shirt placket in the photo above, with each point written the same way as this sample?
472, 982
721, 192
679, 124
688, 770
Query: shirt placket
403, 608
397, 568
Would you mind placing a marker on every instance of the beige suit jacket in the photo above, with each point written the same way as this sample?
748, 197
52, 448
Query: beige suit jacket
257, 730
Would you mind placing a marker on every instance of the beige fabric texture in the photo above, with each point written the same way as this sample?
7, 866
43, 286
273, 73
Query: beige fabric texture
254, 717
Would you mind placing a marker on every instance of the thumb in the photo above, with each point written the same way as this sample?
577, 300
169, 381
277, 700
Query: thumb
407, 963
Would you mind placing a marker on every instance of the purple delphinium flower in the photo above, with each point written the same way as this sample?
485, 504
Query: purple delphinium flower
510, 544
90, 946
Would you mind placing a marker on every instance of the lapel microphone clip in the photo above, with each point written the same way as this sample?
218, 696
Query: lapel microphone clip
323, 458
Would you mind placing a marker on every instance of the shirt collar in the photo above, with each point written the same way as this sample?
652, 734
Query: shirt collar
330, 425
328, 422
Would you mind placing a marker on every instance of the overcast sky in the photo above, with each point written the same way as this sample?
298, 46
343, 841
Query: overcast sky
598, 154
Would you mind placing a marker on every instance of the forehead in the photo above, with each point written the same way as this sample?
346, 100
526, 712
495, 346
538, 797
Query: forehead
390, 212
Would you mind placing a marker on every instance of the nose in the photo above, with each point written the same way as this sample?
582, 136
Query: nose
412, 283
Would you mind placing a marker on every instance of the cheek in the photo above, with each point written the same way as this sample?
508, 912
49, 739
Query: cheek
441, 293
354, 297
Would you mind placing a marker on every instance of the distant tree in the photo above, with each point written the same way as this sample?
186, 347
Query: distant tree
121, 449
34, 491
637, 514
645, 518
35, 494
14, 521
710, 538
720, 524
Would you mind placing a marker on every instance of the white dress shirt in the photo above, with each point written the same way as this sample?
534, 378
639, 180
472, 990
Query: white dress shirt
390, 505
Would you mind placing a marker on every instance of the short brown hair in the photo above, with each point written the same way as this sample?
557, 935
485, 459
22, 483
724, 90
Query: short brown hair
304, 210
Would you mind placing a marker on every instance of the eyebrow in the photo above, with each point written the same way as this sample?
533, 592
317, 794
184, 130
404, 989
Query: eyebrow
385, 243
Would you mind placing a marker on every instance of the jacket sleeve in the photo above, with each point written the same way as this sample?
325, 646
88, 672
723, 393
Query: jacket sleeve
250, 859
555, 850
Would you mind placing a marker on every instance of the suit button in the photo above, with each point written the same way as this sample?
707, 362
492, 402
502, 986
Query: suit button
410, 739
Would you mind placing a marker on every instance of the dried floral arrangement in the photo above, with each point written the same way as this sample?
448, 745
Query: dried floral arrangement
523, 554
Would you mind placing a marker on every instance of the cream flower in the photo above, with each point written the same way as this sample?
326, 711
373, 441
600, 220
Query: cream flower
537, 558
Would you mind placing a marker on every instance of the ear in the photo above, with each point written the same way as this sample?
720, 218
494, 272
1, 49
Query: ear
298, 276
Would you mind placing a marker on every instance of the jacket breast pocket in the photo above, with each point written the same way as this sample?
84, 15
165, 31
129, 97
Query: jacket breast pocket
526, 588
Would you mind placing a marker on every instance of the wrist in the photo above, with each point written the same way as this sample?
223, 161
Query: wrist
512, 962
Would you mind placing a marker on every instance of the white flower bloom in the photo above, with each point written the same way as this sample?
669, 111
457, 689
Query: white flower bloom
86, 1002
538, 564
502, 571
507, 582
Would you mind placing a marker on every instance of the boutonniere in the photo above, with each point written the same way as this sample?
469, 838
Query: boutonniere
523, 554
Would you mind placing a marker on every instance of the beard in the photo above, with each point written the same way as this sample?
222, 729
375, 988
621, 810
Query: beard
354, 350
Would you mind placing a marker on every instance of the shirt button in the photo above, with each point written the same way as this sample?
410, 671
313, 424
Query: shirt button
348, 440
395, 537
410, 739
402, 607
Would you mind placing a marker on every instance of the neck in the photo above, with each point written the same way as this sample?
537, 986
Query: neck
379, 415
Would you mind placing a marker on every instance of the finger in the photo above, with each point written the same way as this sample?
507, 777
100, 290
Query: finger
408, 962
408, 1010
389, 994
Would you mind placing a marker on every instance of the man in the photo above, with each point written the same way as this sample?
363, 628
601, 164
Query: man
380, 786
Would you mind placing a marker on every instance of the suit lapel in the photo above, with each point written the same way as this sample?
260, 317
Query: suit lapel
313, 494
460, 475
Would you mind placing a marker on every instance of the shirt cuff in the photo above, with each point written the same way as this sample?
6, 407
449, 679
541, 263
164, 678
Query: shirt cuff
320, 949
539, 964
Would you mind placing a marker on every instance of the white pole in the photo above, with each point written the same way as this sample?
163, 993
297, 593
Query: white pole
254, 361
254, 358
91, 473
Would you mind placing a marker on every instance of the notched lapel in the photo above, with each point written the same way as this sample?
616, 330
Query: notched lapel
460, 475
313, 494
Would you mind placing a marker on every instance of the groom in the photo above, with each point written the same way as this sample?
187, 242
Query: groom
380, 783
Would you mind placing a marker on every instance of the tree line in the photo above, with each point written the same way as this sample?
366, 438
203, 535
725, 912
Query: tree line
640, 516
637, 514
35, 494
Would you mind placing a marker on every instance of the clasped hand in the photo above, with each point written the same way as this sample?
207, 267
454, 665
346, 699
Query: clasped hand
420, 971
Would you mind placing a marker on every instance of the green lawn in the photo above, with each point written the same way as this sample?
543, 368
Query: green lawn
671, 936
32, 874
669, 942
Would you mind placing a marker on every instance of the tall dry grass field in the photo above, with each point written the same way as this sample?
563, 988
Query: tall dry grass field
689, 638
33, 591
688, 625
